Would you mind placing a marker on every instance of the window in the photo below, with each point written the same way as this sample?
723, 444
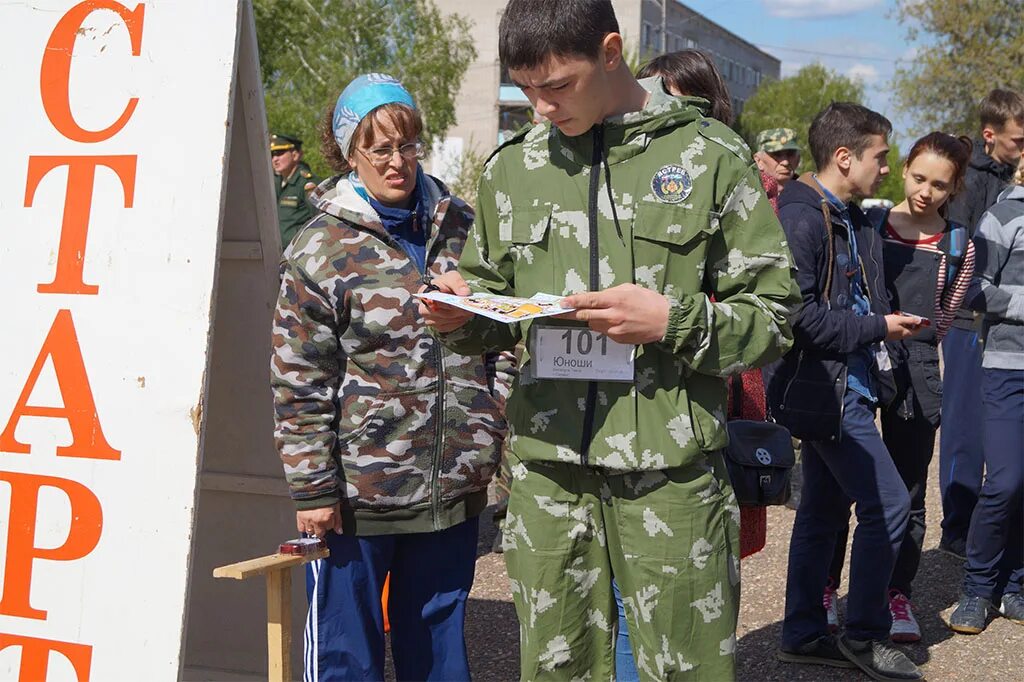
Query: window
511, 119
646, 38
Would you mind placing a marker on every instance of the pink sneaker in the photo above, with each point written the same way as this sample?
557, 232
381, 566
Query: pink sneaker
905, 629
828, 600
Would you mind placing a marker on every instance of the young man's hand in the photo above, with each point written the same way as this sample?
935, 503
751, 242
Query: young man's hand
316, 522
446, 318
899, 327
626, 313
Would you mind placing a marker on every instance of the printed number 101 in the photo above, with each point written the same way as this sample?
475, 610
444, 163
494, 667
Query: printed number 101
584, 342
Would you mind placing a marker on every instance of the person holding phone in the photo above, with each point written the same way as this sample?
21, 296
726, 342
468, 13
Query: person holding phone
928, 265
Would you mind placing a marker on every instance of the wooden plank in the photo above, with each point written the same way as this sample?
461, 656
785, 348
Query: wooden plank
265, 565
279, 626
250, 83
239, 250
274, 486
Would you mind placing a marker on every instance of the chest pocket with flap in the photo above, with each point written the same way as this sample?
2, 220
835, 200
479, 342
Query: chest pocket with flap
531, 248
670, 246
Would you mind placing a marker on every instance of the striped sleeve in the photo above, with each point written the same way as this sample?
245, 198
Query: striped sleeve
952, 296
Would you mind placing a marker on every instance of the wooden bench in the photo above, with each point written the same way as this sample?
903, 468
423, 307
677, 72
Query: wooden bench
277, 569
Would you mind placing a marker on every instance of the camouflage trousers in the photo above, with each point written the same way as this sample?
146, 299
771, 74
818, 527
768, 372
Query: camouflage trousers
671, 540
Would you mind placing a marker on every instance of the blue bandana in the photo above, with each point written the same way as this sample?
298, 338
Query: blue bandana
360, 98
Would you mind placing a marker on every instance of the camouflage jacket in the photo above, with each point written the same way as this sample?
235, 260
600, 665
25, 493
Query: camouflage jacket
370, 409
685, 215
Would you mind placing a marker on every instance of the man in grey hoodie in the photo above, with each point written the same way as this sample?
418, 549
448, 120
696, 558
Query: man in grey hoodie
995, 544
961, 463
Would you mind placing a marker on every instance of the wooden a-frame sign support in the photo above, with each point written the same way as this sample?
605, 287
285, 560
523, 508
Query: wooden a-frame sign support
139, 258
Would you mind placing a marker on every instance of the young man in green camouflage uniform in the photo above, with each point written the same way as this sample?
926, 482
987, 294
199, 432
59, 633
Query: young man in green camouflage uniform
638, 198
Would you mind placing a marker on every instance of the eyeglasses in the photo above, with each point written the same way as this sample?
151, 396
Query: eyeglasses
381, 156
279, 152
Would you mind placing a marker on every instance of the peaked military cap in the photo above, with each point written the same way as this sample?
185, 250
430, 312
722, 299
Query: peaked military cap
777, 140
280, 143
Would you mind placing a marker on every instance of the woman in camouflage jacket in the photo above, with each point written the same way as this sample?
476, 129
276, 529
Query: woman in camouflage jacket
388, 439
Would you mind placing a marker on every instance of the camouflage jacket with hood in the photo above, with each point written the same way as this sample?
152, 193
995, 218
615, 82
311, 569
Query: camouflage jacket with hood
371, 411
665, 198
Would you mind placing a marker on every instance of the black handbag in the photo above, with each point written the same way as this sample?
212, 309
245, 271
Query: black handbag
759, 457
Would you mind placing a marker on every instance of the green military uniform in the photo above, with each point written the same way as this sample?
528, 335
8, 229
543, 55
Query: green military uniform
293, 208
627, 478
776, 140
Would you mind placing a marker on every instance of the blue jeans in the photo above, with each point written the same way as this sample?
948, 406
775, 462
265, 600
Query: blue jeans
431, 575
625, 666
961, 461
995, 548
856, 469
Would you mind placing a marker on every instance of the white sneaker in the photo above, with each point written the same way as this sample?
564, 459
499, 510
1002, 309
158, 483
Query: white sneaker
905, 629
828, 600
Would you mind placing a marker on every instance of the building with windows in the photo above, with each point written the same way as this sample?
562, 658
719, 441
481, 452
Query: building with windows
490, 107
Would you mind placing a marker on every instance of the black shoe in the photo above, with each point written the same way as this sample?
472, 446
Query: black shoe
879, 660
1012, 608
822, 651
956, 548
970, 616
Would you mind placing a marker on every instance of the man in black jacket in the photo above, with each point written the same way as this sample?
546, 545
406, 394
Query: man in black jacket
960, 459
825, 391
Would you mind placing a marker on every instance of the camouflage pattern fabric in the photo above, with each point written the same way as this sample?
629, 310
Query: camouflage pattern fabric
685, 215
670, 538
776, 140
371, 411
718, 236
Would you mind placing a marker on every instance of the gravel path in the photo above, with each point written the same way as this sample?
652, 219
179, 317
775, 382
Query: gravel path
996, 655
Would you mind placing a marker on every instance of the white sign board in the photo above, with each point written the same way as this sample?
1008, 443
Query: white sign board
116, 120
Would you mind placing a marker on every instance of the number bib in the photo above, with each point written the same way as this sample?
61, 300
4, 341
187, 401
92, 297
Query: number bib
580, 354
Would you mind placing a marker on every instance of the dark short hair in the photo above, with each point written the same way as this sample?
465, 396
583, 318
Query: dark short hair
693, 73
533, 30
844, 124
1000, 107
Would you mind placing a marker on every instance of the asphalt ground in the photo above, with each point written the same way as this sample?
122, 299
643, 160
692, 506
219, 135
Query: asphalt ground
996, 655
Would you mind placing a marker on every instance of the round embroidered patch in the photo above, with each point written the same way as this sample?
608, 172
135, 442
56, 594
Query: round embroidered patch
672, 184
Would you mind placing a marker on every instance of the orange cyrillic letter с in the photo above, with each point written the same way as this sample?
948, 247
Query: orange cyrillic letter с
55, 73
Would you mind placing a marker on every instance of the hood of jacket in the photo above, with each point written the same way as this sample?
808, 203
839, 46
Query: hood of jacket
337, 196
625, 135
986, 164
804, 190
800, 191
1014, 192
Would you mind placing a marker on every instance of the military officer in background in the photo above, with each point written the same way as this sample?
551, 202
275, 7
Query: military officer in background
294, 182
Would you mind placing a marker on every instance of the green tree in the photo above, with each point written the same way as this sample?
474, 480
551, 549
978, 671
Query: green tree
971, 46
311, 49
892, 187
793, 102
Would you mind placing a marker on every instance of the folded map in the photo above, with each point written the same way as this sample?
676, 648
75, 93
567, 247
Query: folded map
502, 308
